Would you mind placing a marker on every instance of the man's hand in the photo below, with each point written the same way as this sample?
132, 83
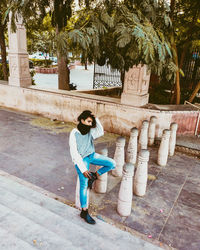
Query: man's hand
87, 174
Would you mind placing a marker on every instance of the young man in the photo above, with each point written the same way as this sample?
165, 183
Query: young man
83, 154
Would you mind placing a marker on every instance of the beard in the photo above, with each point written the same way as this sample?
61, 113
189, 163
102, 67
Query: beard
84, 129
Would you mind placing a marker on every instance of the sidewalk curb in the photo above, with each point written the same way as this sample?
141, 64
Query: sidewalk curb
188, 151
180, 148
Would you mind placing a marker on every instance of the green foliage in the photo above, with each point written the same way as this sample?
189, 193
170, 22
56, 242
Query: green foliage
41, 37
139, 33
1, 72
120, 33
186, 21
61, 13
32, 73
186, 32
41, 62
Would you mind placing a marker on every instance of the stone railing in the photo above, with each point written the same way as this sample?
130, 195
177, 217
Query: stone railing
115, 117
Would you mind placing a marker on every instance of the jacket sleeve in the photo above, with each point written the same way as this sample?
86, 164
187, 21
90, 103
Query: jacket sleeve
76, 157
98, 131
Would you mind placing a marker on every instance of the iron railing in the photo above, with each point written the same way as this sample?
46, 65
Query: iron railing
191, 69
105, 76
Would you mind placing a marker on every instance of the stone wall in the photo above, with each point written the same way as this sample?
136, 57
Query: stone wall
188, 121
66, 106
111, 91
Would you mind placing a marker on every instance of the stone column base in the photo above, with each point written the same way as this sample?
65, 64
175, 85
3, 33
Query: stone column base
20, 82
134, 100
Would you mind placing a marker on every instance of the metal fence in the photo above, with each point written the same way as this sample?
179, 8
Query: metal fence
191, 69
105, 76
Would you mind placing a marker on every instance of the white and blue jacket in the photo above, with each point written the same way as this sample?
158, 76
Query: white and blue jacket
83, 145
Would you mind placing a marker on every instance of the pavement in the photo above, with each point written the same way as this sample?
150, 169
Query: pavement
79, 76
191, 142
36, 150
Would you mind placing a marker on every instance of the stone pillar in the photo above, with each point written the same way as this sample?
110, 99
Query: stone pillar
141, 175
131, 154
143, 138
152, 130
119, 156
172, 139
101, 182
77, 197
18, 56
125, 196
164, 148
136, 86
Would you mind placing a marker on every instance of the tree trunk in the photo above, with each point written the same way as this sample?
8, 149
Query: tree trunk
177, 90
197, 88
86, 64
177, 85
172, 97
63, 73
3, 53
63, 70
196, 66
172, 7
185, 48
122, 78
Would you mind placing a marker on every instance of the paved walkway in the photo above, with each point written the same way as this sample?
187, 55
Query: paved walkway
79, 76
36, 150
191, 142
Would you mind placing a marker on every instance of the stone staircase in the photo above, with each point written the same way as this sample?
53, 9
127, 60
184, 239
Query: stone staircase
31, 220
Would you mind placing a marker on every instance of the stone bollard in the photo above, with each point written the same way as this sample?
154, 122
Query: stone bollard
131, 154
141, 175
77, 198
164, 148
119, 156
101, 182
172, 139
152, 130
125, 196
143, 138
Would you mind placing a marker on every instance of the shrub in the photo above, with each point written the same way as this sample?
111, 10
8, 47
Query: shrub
1, 72
32, 73
41, 62
159, 95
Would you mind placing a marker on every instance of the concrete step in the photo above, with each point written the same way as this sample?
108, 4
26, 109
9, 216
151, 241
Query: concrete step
45, 223
50, 220
30, 232
9, 241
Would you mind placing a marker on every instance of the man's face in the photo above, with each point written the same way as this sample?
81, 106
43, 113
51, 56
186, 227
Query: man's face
88, 121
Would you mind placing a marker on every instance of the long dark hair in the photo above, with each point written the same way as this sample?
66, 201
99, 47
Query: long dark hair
85, 114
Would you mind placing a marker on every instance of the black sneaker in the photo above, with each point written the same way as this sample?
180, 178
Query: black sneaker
90, 181
85, 215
